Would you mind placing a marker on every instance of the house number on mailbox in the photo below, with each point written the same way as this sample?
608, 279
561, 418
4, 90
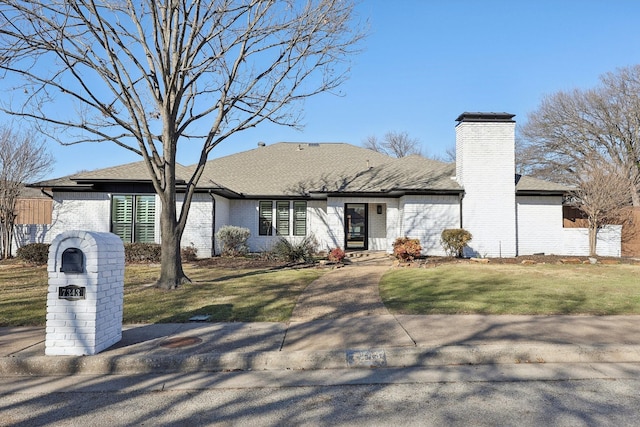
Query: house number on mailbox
71, 293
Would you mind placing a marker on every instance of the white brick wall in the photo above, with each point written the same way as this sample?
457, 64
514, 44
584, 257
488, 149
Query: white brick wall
199, 230
540, 225
576, 241
80, 211
90, 325
424, 218
486, 170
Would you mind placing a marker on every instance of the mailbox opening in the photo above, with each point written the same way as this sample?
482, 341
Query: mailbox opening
72, 261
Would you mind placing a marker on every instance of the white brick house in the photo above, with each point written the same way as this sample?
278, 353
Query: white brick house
345, 196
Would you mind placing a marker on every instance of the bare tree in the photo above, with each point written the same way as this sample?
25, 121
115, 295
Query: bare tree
22, 159
150, 74
569, 128
395, 144
449, 155
602, 195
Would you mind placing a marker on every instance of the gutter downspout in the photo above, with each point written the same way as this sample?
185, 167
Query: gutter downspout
213, 223
46, 194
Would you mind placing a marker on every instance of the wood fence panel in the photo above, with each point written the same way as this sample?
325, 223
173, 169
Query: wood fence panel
34, 211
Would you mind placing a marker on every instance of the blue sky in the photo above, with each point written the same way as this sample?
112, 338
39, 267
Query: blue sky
427, 61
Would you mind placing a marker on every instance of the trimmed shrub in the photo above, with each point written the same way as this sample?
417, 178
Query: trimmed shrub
142, 252
336, 255
232, 240
189, 254
406, 249
303, 251
454, 240
34, 253
152, 253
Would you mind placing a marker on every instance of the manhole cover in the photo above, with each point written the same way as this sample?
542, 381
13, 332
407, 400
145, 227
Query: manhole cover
180, 342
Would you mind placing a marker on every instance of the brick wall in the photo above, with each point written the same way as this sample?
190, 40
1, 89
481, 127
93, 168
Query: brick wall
485, 167
425, 217
90, 325
540, 225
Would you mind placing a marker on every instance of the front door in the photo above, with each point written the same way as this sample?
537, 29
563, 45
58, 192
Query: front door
355, 226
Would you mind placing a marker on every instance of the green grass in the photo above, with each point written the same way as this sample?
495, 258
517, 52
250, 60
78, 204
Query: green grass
227, 295
514, 289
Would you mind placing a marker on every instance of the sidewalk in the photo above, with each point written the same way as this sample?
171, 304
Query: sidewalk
339, 322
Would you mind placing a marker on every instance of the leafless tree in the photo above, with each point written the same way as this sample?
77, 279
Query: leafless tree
449, 155
601, 194
395, 144
23, 158
150, 75
569, 128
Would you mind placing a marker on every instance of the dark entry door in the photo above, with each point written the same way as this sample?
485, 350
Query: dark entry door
355, 225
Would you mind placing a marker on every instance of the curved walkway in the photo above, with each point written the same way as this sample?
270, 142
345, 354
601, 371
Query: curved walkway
343, 309
351, 291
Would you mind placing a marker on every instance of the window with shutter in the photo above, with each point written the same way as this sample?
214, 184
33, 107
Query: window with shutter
145, 219
121, 217
299, 218
133, 218
282, 218
265, 218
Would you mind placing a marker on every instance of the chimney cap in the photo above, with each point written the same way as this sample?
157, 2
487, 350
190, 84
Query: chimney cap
486, 117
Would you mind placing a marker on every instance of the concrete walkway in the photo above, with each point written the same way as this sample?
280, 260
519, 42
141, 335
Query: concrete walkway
339, 322
342, 293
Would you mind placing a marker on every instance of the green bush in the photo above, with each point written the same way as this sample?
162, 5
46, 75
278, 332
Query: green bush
34, 253
142, 252
406, 249
454, 240
303, 251
232, 240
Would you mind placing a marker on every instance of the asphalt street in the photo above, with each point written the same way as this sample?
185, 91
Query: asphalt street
481, 395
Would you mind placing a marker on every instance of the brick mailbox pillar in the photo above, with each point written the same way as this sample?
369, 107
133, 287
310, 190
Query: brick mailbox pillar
86, 289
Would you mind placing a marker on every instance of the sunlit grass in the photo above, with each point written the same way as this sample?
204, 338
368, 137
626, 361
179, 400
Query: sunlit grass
225, 294
514, 289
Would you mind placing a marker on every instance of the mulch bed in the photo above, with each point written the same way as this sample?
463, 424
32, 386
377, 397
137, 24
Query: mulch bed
533, 259
256, 262
243, 263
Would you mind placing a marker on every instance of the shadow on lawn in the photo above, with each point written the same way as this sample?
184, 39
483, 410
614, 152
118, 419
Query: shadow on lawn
218, 313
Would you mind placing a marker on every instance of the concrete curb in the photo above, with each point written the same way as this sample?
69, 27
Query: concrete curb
315, 360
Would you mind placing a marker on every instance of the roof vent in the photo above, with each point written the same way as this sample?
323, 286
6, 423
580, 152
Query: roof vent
261, 144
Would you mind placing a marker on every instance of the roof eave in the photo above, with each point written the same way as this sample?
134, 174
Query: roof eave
540, 193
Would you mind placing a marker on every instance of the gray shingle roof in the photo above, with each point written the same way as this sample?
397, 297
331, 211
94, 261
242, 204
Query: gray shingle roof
527, 184
290, 169
299, 169
136, 171
412, 173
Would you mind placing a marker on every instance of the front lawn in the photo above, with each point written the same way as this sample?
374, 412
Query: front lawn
228, 295
513, 289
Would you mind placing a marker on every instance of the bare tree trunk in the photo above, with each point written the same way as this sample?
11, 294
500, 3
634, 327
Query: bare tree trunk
593, 239
3, 240
635, 197
171, 273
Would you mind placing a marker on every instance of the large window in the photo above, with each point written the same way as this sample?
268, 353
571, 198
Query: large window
287, 221
133, 218
266, 218
282, 218
299, 218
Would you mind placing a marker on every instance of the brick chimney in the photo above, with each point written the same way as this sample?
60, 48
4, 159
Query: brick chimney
485, 167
